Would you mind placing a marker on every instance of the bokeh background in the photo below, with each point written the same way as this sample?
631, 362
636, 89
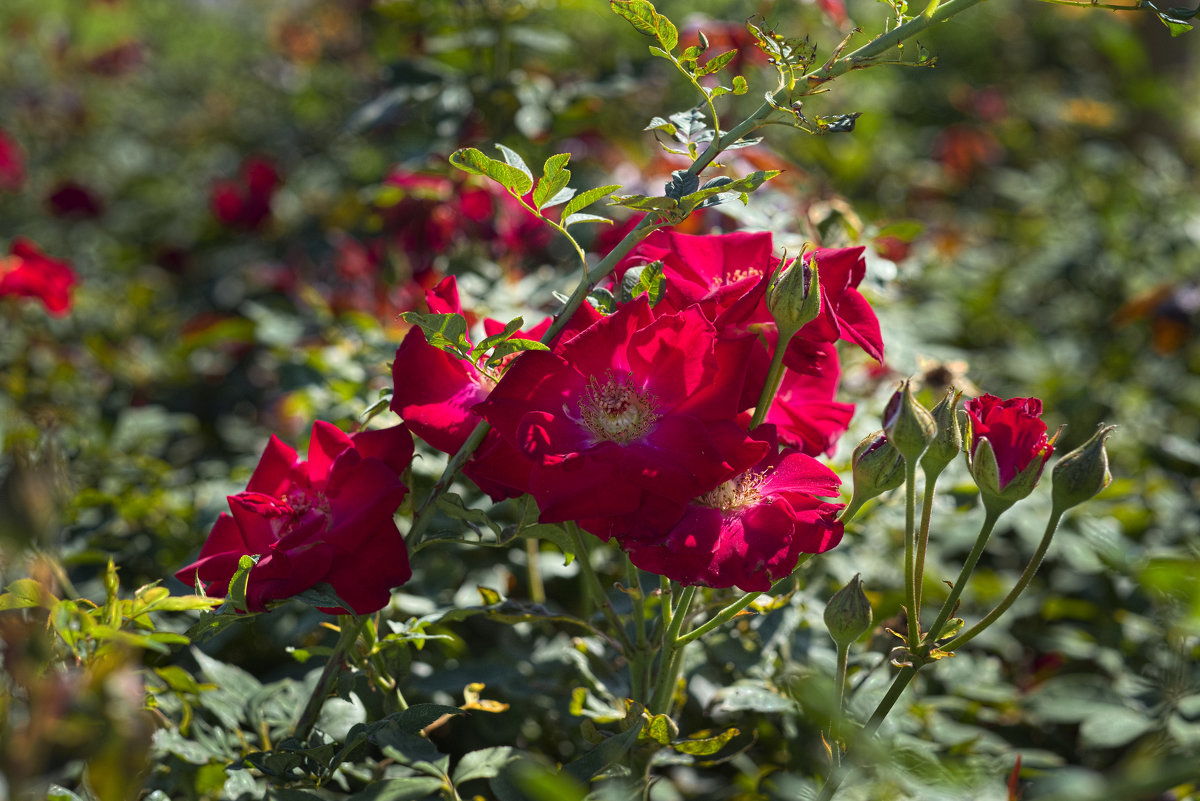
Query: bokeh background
252, 192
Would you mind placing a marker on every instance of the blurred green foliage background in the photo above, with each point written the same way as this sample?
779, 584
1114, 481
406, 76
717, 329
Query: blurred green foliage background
1032, 213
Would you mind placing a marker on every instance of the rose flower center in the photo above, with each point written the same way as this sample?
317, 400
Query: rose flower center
616, 410
737, 493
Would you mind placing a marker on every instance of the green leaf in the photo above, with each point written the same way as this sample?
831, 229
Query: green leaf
470, 160
482, 764
513, 159
510, 328
407, 789
555, 178
660, 729
742, 186
659, 124
642, 15
1113, 727
447, 332
644, 203
603, 755
26, 593
740, 87
576, 219
321, 595
510, 346
704, 743
587, 197
452, 505
645, 280
716, 63
240, 580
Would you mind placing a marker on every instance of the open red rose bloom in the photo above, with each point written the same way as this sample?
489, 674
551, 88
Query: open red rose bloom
324, 520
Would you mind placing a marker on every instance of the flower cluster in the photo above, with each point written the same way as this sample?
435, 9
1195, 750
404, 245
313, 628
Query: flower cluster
635, 424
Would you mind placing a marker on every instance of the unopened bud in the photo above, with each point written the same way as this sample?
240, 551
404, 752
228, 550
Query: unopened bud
794, 296
908, 425
848, 613
1082, 473
876, 467
949, 440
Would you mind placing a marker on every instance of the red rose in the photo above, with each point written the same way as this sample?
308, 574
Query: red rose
750, 530
246, 202
633, 411
328, 519
1016, 436
435, 393
29, 273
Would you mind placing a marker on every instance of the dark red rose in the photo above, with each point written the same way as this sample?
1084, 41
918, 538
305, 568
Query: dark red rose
246, 202
749, 531
29, 273
1016, 434
324, 520
632, 411
72, 199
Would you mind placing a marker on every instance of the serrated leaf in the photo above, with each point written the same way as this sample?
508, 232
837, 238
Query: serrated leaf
446, 332
602, 300
682, 183
482, 764
510, 328
555, 178
452, 505
321, 595
587, 197
409, 788
660, 729
643, 16
643, 280
576, 219
716, 62
510, 346
659, 124
513, 159
742, 186
471, 160
704, 743
564, 194
25, 593
643, 203
603, 755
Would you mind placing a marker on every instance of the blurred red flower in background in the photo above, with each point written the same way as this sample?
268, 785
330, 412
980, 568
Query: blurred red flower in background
246, 202
27, 272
